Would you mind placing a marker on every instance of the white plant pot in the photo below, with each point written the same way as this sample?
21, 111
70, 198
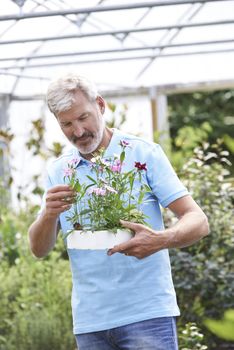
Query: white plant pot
97, 239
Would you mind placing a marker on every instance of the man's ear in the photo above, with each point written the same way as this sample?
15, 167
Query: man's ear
101, 103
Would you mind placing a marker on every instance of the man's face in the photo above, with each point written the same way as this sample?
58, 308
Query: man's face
84, 124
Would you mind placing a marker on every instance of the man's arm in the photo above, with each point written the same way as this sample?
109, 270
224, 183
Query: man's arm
191, 226
43, 232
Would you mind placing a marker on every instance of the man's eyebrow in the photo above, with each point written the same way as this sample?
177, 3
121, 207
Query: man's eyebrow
79, 116
82, 115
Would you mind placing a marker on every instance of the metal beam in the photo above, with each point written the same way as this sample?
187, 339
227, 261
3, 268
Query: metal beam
118, 50
23, 76
168, 89
172, 89
116, 32
113, 59
102, 9
187, 15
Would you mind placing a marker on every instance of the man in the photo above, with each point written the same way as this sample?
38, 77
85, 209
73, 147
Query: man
124, 298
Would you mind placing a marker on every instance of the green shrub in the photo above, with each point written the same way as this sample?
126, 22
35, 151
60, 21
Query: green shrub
204, 273
35, 304
34, 294
194, 110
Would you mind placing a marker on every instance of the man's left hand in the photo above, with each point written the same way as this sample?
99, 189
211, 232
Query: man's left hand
145, 242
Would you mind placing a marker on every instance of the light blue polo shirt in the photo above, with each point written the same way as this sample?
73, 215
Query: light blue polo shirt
112, 291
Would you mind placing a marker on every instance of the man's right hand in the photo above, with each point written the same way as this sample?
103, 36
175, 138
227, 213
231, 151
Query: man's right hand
58, 200
43, 232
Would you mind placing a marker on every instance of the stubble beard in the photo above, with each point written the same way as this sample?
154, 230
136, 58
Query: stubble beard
95, 140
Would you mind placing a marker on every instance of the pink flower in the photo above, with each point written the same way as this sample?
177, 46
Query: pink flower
102, 191
116, 167
99, 191
140, 166
124, 143
73, 162
68, 172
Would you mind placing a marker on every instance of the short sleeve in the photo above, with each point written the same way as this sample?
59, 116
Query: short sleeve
162, 178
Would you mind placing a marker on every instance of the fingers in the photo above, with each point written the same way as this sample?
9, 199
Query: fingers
121, 248
131, 225
144, 243
61, 192
66, 197
55, 211
59, 199
127, 248
59, 188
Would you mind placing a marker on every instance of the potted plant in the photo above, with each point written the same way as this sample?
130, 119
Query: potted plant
103, 200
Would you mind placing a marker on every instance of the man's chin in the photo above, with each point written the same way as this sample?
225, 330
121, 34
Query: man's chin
85, 150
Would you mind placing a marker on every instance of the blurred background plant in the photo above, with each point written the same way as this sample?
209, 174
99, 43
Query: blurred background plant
222, 328
204, 273
34, 294
201, 116
190, 337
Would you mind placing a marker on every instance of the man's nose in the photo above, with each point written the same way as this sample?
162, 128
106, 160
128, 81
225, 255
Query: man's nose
77, 129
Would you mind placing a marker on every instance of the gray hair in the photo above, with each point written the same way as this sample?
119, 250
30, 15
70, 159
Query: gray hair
60, 94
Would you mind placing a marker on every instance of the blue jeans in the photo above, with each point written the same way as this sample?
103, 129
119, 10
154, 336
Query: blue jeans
155, 334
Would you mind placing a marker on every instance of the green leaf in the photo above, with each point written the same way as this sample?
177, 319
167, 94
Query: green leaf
131, 181
77, 186
147, 188
88, 186
223, 328
122, 156
141, 196
85, 211
91, 179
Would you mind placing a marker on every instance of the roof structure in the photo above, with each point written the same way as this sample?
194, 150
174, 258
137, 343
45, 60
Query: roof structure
119, 44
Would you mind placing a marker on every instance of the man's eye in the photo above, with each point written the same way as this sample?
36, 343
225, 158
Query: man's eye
85, 116
66, 125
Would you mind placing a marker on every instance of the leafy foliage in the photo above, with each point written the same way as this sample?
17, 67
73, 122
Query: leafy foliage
34, 294
35, 305
118, 115
204, 273
107, 196
223, 328
209, 114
